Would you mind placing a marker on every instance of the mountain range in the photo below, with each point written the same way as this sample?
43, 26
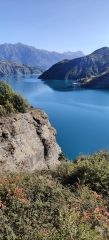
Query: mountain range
89, 70
11, 68
32, 56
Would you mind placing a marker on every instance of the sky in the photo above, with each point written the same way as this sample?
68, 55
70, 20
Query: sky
56, 25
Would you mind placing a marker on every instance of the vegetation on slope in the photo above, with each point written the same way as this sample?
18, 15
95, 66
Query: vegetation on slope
11, 102
80, 68
100, 81
68, 203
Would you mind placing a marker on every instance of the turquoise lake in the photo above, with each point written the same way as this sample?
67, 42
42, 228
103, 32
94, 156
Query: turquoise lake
81, 117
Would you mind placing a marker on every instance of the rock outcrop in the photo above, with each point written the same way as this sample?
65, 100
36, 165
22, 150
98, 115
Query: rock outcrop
27, 142
12, 68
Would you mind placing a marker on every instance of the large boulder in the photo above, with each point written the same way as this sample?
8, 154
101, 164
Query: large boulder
27, 142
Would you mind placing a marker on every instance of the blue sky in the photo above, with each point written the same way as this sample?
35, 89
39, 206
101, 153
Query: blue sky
56, 25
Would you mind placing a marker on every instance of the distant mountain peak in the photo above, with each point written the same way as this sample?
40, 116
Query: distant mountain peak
103, 49
69, 52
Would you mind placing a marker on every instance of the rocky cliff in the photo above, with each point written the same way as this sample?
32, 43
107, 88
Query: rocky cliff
10, 68
27, 142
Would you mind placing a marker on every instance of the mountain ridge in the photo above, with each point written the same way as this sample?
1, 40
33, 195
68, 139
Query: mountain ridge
13, 68
82, 69
30, 55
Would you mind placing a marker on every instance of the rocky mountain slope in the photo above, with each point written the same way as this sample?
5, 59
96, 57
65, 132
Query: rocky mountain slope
27, 142
84, 68
10, 68
29, 55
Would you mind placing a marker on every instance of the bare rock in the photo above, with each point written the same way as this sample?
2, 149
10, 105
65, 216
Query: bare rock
27, 142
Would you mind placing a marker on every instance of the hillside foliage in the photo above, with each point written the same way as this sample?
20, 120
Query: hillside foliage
68, 203
11, 102
82, 68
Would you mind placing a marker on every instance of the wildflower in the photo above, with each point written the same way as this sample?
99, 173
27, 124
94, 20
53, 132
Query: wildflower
86, 214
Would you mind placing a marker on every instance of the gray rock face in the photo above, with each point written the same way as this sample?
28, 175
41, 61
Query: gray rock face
27, 142
10, 68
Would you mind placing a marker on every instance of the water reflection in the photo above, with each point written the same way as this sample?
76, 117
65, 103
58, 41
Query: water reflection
59, 85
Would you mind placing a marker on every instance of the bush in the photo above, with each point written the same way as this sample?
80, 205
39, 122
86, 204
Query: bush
2, 111
92, 170
6, 92
9, 108
10, 101
19, 103
41, 205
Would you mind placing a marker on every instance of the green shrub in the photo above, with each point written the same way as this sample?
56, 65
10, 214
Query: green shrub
10, 101
6, 92
62, 157
92, 170
9, 108
19, 103
2, 111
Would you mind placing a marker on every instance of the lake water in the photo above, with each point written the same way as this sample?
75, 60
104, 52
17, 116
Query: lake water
81, 117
